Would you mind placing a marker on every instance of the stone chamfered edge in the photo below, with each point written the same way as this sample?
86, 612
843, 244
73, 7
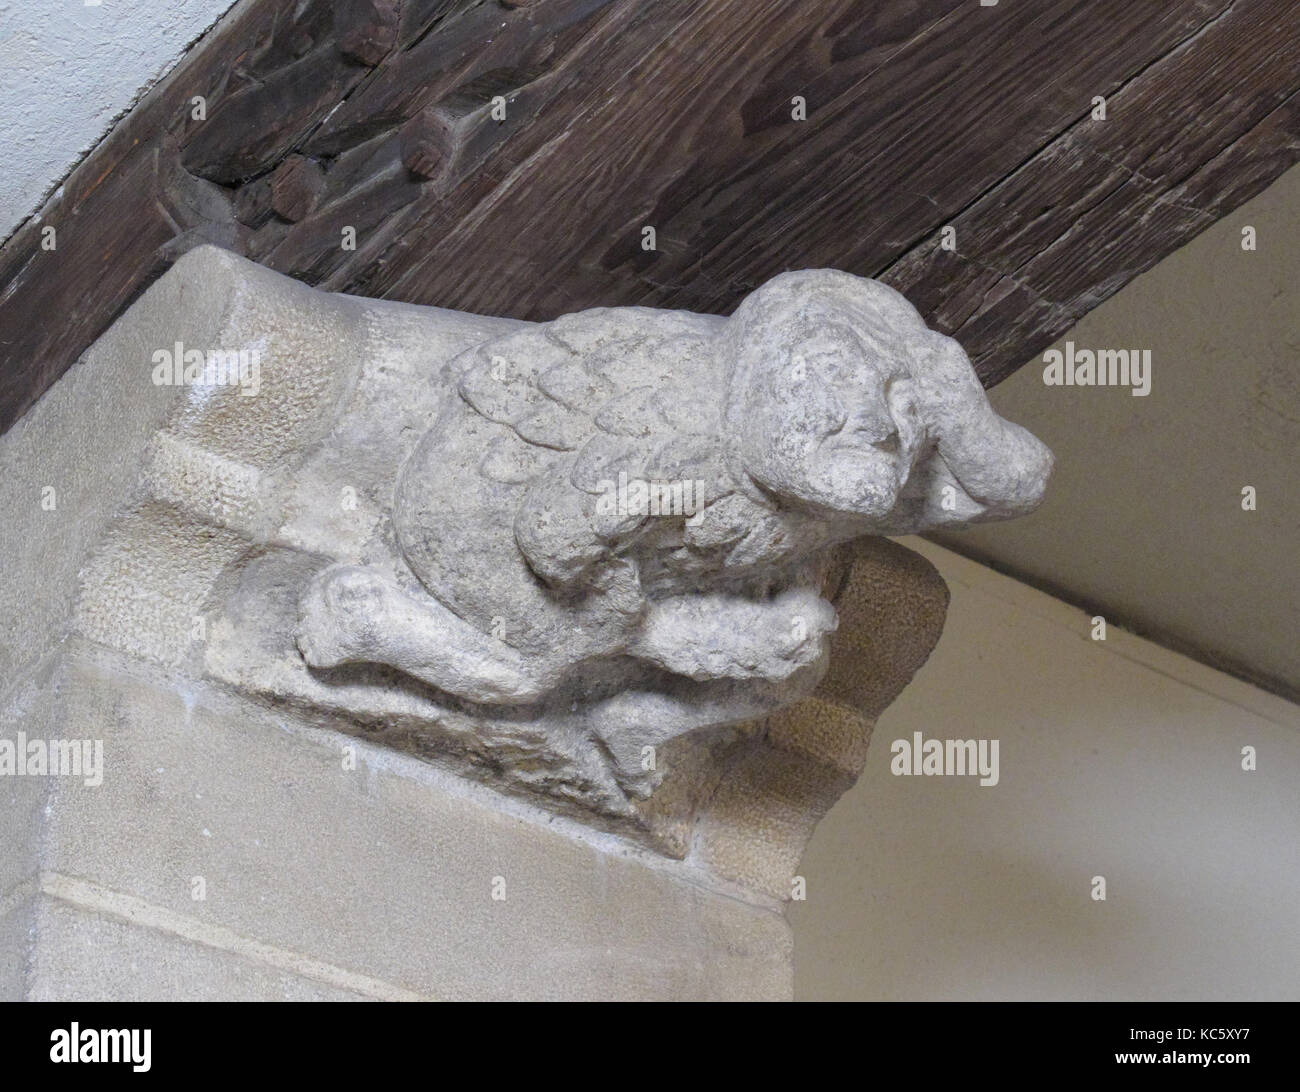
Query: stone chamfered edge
157, 495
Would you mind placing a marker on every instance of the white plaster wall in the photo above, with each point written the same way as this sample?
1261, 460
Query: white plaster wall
1118, 759
68, 69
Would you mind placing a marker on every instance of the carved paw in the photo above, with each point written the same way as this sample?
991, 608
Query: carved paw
338, 613
801, 622
715, 637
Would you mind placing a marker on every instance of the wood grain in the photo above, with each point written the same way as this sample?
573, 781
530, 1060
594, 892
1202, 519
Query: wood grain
385, 117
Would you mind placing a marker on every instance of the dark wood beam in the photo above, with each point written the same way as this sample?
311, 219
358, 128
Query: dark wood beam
378, 116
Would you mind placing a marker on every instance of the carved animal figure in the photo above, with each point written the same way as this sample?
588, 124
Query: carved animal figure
821, 411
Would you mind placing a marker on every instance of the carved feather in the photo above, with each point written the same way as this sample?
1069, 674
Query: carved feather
593, 406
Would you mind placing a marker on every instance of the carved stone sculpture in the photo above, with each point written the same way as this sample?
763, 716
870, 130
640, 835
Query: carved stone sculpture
598, 562
439, 655
633, 513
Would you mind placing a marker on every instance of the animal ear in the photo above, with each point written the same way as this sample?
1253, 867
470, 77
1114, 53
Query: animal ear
933, 497
1002, 467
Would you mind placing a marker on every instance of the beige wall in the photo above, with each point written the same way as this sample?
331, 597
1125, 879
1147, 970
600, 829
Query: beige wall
1144, 512
1118, 759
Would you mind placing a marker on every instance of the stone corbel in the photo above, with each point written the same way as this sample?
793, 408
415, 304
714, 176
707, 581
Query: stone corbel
371, 494
628, 567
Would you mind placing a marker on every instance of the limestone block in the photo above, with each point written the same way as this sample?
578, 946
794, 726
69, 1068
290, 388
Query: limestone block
330, 864
91, 956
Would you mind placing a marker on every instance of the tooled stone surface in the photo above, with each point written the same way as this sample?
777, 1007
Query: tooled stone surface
438, 530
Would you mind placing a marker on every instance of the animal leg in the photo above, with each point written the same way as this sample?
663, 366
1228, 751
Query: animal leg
717, 636
349, 614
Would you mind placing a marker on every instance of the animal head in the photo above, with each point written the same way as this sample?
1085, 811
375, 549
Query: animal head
839, 396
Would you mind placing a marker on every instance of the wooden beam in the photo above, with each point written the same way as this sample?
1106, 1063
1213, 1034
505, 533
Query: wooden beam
506, 157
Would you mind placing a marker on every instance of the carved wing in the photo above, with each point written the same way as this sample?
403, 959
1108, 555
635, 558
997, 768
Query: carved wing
590, 407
